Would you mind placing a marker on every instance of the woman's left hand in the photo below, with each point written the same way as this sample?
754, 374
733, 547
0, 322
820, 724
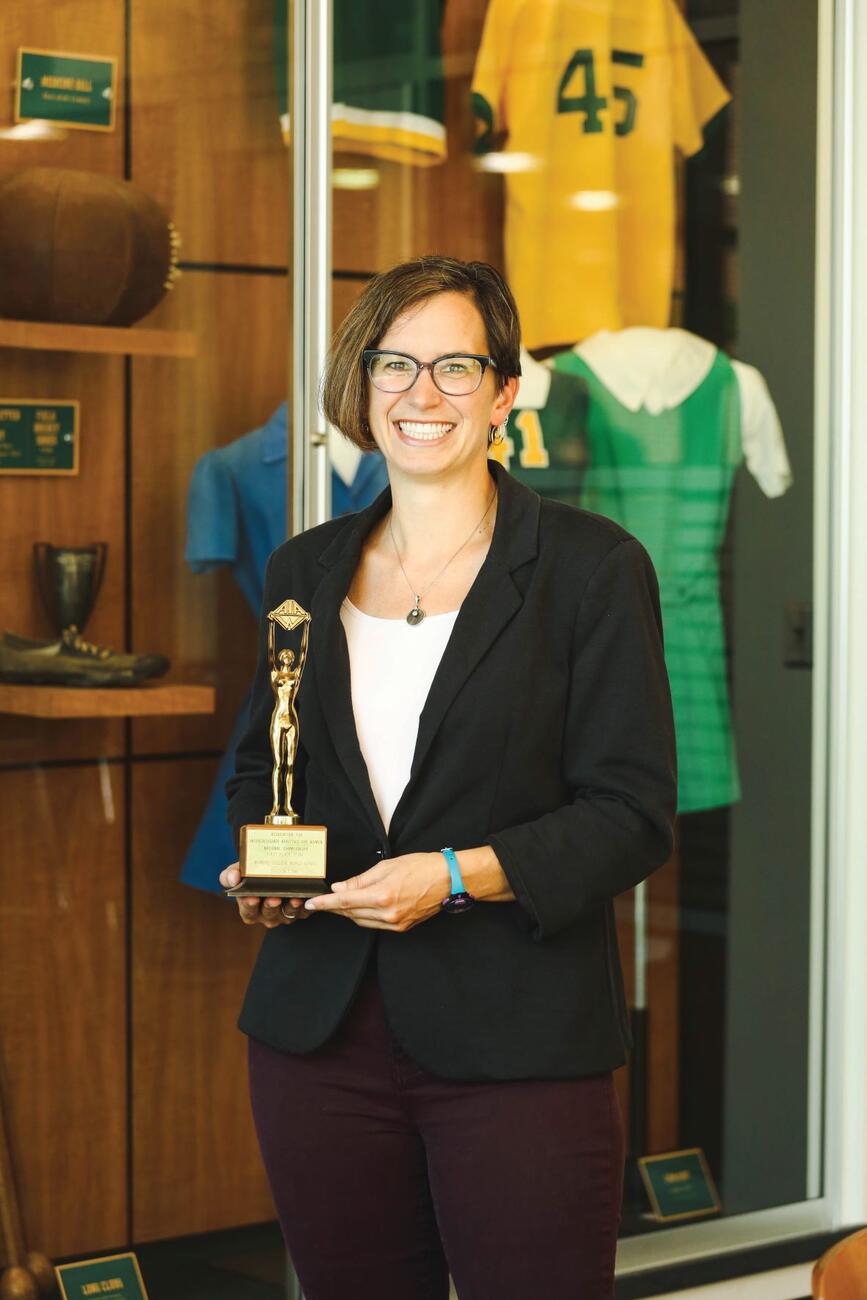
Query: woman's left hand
396, 894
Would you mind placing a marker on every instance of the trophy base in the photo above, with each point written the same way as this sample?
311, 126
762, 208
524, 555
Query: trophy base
281, 861
275, 887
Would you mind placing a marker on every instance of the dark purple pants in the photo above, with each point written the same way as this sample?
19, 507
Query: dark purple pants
387, 1178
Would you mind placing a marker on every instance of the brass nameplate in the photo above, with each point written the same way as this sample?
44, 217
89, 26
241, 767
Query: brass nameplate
284, 852
679, 1185
114, 1276
75, 90
38, 436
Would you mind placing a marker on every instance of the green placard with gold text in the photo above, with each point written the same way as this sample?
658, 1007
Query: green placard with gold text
679, 1185
75, 90
113, 1277
38, 436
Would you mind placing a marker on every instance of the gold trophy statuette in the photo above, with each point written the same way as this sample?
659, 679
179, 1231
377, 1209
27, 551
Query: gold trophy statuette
281, 858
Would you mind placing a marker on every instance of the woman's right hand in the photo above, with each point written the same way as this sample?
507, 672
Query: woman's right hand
263, 911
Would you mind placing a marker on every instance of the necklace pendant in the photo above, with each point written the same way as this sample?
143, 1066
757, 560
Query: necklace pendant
416, 615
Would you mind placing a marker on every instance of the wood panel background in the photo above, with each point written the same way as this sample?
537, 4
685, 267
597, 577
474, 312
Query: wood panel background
63, 1002
206, 135
180, 411
202, 130
192, 1130
95, 27
63, 1030
66, 512
205, 140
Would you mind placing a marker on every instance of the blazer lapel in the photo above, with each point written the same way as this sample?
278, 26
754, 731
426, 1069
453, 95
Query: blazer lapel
329, 653
491, 603
493, 600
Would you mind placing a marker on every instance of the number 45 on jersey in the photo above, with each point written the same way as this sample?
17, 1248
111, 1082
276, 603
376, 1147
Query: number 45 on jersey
582, 64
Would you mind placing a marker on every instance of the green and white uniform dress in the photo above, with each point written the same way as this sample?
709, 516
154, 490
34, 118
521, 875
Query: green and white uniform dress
389, 87
545, 445
669, 420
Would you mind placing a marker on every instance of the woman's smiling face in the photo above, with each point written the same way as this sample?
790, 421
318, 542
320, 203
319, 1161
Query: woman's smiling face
423, 431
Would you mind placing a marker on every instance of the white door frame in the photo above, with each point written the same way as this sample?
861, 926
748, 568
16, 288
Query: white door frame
310, 64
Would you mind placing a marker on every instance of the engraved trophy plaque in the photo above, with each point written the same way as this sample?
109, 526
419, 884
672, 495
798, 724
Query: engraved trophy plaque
280, 858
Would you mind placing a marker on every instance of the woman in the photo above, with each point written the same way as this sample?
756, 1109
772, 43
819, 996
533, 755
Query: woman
485, 728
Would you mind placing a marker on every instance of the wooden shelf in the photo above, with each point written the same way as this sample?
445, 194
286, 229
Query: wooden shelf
106, 701
129, 341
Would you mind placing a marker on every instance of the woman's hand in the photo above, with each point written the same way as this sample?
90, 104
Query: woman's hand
396, 894
263, 911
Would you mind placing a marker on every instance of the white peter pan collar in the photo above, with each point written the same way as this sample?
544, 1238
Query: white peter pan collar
652, 368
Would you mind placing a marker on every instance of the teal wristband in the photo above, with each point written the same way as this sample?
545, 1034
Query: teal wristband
458, 900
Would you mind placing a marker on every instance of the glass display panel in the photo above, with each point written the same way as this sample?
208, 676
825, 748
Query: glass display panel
144, 345
618, 173
612, 161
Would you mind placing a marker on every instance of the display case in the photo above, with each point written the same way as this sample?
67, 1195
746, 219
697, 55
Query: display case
676, 288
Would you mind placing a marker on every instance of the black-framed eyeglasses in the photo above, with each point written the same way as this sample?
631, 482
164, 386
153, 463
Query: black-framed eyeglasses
456, 373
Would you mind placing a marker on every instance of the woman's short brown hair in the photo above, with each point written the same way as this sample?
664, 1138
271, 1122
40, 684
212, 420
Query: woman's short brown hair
389, 295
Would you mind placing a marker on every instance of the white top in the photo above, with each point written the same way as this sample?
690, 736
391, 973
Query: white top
392, 665
659, 368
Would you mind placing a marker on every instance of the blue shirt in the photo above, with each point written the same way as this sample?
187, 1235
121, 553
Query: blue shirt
237, 507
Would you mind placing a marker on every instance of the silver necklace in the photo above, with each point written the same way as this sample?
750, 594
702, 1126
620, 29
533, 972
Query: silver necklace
416, 614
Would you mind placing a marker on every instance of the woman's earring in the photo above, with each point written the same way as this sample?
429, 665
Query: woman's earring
498, 435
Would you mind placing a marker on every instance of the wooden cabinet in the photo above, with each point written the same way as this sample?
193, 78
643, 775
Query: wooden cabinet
63, 1000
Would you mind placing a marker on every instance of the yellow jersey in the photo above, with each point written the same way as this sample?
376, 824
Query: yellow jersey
593, 97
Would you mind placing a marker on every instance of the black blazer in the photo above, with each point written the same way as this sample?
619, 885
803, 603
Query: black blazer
547, 733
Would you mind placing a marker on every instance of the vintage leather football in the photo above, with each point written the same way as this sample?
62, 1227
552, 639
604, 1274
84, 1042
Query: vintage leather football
82, 248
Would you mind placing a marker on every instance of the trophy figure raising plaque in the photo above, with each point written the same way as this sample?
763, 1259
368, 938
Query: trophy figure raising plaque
281, 858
